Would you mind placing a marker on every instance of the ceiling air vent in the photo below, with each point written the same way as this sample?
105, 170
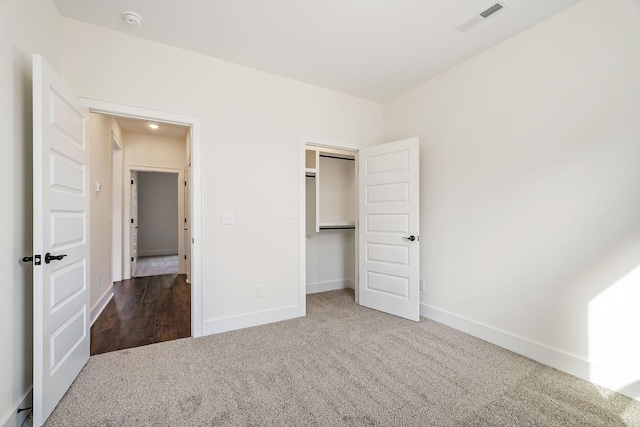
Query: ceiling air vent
481, 16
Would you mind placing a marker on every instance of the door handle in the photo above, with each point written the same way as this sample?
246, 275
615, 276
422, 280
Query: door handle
48, 257
410, 238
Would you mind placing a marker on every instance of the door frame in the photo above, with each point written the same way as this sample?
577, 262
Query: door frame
304, 140
117, 165
195, 123
126, 247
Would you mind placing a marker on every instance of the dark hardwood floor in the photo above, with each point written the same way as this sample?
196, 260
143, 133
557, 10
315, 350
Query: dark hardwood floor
143, 311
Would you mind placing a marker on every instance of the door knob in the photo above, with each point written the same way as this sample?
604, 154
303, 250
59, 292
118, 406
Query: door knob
48, 257
410, 238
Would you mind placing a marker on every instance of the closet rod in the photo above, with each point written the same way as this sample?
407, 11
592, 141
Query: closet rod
336, 157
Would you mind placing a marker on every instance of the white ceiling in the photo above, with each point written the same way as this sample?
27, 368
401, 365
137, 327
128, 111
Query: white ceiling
374, 49
142, 126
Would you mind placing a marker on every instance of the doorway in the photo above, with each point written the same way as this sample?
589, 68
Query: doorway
383, 210
157, 223
151, 297
194, 179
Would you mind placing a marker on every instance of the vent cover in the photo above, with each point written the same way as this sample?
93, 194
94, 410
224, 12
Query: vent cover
481, 16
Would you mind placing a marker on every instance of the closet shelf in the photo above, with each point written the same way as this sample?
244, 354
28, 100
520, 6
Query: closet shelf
334, 225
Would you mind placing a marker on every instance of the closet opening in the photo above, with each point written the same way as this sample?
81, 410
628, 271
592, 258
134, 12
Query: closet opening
330, 219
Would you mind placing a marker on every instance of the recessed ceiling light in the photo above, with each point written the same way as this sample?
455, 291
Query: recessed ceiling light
154, 126
132, 18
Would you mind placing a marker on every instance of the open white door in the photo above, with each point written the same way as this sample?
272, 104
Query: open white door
388, 228
134, 223
60, 239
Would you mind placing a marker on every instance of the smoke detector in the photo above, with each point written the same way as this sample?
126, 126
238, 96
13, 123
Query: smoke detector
132, 18
481, 16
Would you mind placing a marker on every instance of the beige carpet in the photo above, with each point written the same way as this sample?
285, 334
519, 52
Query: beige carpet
341, 365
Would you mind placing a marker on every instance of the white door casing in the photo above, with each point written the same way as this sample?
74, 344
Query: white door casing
60, 227
388, 212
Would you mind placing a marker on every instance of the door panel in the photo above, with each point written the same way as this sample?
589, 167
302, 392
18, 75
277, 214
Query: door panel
388, 215
134, 223
187, 221
60, 227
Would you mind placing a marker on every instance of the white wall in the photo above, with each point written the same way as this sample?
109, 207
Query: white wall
117, 213
157, 214
26, 27
251, 122
99, 129
330, 260
156, 151
530, 184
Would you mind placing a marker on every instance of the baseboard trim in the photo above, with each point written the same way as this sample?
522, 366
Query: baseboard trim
622, 382
101, 304
333, 285
157, 252
15, 419
226, 324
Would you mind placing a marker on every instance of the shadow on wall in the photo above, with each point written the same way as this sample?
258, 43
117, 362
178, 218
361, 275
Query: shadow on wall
23, 202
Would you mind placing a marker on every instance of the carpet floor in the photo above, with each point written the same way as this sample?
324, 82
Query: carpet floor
156, 265
340, 365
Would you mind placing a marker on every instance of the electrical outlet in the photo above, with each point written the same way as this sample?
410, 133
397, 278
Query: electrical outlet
228, 218
422, 284
257, 291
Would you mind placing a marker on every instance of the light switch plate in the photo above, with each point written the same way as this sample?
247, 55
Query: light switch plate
228, 217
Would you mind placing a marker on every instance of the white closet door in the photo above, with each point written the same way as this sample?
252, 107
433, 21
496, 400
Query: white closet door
389, 235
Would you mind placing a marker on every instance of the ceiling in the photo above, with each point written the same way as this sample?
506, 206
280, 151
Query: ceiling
142, 126
374, 49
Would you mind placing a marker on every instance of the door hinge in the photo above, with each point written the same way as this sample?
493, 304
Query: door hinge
131, 259
131, 182
185, 183
185, 220
185, 257
131, 220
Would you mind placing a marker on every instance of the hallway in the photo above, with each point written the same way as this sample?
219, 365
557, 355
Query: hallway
144, 310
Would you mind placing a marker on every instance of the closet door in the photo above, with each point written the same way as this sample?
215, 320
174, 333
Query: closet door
388, 243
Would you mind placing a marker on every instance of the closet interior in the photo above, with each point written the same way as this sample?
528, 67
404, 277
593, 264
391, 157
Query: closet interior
330, 219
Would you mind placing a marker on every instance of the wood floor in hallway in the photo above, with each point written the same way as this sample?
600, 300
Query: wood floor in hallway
144, 310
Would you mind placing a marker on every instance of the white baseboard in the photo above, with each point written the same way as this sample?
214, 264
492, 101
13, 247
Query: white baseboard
158, 252
217, 326
622, 382
15, 419
314, 288
101, 304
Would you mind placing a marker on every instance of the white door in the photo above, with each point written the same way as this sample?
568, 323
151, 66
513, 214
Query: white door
388, 229
187, 221
134, 223
60, 229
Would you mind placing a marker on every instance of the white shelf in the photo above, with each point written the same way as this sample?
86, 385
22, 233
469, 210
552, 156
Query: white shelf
341, 224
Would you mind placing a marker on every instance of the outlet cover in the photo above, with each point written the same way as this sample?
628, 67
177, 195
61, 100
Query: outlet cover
257, 291
422, 284
228, 217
